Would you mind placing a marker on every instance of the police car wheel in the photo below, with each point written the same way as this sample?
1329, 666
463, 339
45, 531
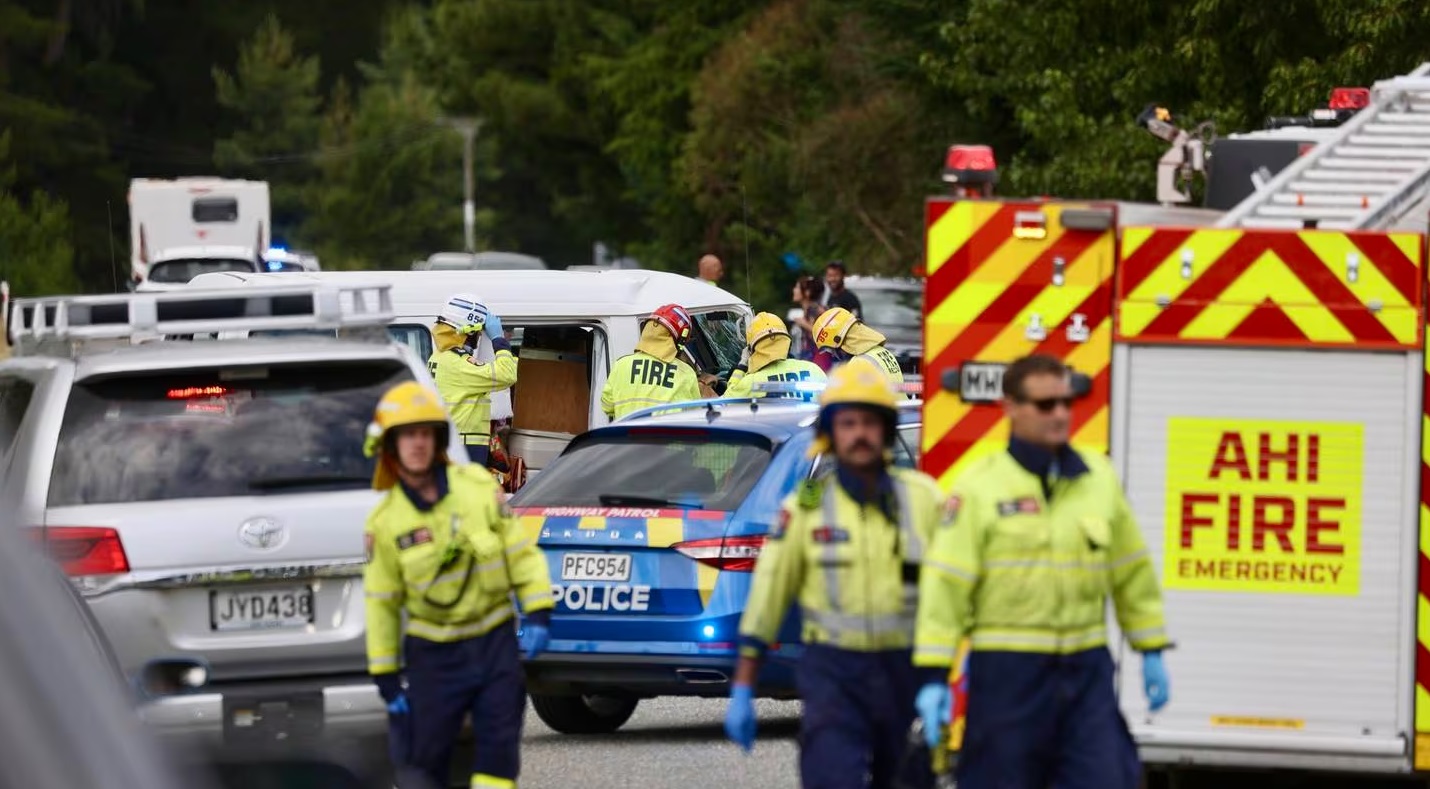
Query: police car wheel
583, 714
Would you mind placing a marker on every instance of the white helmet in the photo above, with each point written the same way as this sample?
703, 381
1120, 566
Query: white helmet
464, 312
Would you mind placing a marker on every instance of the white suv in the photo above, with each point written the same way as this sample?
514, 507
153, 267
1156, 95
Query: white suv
208, 497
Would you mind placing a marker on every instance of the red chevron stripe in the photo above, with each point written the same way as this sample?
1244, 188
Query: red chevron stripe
1013, 300
934, 209
1137, 267
1267, 322
1327, 288
1097, 307
1422, 665
1398, 269
1206, 287
972, 254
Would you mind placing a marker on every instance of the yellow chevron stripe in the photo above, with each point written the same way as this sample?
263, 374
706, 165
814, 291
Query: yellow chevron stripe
972, 297
1403, 323
1207, 247
1422, 722
1267, 278
941, 413
952, 230
1093, 435
1332, 250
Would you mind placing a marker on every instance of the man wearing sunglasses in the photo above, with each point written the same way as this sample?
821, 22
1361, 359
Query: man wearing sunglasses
1035, 541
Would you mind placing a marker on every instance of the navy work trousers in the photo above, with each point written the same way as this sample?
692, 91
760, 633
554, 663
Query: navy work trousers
858, 708
481, 675
1037, 721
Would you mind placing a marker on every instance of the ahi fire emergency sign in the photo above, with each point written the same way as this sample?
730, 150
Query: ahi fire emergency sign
1263, 506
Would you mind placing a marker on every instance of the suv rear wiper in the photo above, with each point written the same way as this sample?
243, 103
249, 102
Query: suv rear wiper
302, 481
624, 500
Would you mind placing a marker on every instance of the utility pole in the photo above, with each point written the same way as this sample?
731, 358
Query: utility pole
468, 127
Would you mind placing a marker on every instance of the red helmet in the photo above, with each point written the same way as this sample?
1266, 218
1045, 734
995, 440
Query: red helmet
675, 320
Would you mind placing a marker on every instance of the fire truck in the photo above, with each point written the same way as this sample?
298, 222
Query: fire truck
1257, 372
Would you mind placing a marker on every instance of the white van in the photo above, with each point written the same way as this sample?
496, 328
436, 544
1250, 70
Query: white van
569, 327
189, 219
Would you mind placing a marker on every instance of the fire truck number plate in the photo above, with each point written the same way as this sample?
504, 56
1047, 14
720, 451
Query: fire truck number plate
981, 382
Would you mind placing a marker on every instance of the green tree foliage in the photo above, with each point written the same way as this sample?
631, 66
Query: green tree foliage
390, 189
273, 93
662, 129
35, 252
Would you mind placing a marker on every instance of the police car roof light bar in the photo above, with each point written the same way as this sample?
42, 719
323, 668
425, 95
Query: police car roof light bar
37, 325
708, 403
912, 384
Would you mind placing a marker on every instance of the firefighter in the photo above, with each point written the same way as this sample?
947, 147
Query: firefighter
466, 385
1035, 540
847, 548
443, 548
766, 358
846, 336
652, 375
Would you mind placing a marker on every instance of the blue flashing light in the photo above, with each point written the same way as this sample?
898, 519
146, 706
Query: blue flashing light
275, 265
708, 631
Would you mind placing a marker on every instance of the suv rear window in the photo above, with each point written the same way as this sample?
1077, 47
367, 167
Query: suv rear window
181, 271
219, 432
651, 467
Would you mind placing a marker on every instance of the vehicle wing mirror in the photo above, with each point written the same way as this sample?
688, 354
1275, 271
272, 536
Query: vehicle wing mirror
175, 676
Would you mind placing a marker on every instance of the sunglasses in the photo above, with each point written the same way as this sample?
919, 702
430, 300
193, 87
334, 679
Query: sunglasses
1047, 404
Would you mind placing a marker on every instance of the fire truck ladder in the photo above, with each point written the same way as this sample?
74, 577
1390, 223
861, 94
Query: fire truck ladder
1370, 175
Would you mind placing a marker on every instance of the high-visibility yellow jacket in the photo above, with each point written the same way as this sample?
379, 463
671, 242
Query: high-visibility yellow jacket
787, 370
886, 361
451, 567
1017, 573
467, 388
640, 380
852, 569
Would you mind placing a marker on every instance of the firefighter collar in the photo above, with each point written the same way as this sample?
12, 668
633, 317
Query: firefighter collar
1038, 461
881, 495
420, 503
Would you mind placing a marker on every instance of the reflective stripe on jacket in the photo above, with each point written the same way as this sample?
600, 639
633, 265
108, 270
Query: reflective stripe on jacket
851, 569
1017, 573
467, 388
489, 556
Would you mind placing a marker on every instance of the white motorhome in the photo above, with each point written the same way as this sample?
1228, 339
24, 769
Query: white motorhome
194, 220
569, 328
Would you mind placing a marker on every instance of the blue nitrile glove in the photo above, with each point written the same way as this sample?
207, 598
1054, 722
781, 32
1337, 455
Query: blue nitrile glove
389, 686
740, 717
493, 327
1155, 680
537, 637
935, 706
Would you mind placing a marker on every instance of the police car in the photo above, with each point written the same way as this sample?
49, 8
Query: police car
651, 527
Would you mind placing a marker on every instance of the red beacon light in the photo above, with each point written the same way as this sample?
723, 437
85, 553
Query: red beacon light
970, 164
1350, 98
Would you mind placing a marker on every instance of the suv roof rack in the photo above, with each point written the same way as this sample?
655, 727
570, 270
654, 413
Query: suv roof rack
69, 325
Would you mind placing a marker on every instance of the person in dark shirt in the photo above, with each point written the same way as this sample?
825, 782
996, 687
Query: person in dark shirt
834, 274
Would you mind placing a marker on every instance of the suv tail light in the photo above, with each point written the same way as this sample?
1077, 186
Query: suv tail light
736, 554
84, 550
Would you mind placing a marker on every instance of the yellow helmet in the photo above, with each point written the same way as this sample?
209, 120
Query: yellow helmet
408, 403
857, 382
832, 326
765, 324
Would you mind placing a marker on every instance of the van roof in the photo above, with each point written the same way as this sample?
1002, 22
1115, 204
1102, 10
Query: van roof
514, 293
